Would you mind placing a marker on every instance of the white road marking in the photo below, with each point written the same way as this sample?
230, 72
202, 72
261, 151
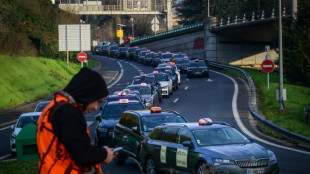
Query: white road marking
186, 87
187, 79
139, 70
89, 123
5, 128
119, 77
175, 100
241, 125
209, 80
5, 156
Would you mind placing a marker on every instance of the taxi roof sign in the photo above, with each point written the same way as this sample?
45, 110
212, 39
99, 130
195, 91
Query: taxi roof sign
205, 121
155, 72
126, 90
122, 93
143, 84
155, 109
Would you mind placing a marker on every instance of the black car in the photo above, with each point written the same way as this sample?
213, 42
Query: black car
148, 58
137, 53
105, 50
141, 56
122, 52
204, 147
123, 95
171, 74
108, 117
97, 49
131, 53
113, 51
134, 126
182, 64
156, 59
149, 79
166, 57
198, 68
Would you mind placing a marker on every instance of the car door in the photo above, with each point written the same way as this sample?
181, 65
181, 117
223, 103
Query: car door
184, 155
120, 138
135, 136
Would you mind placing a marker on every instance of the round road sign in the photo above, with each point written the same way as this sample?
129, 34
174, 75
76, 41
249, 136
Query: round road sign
82, 56
267, 65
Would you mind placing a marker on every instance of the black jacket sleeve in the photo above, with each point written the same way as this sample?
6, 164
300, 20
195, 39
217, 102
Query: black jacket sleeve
71, 129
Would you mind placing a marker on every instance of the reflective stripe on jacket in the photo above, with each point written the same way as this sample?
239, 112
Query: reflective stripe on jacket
53, 156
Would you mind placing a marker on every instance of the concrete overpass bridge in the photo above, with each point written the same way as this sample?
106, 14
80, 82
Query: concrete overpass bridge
122, 7
236, 40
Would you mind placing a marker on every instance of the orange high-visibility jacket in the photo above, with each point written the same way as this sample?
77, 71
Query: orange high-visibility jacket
53, 156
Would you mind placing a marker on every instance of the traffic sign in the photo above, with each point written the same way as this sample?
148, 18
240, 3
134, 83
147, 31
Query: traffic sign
82, 56
155, 20
267, 65
155, 27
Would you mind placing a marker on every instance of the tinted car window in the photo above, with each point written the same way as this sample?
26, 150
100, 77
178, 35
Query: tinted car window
167, 71
196, 64
161, 77
155, 134
148, 80
183, 135
41, 106
168, 135
125, 120
115, 111
149, 122
221, 136
135, 122
142, 90
182, 61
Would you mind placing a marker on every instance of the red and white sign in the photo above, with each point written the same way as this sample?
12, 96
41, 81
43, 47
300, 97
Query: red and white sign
82, 56
267, 65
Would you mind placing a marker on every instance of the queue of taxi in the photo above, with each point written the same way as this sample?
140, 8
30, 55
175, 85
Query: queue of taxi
162, 140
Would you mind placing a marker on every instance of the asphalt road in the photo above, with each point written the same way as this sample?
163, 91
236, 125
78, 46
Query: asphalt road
220, 97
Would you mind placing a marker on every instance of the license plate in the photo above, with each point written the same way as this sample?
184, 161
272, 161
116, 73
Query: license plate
254, 171
197, 72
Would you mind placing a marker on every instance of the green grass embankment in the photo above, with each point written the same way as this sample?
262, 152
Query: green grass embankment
26, 78
291, 117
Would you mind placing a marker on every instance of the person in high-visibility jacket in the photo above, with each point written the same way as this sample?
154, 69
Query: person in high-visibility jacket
63, 140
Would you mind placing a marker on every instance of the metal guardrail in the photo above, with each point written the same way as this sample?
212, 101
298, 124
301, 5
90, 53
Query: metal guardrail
253, 107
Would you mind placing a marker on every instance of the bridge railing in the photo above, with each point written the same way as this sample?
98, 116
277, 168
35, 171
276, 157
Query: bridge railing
188, 27
241, 18
253, 105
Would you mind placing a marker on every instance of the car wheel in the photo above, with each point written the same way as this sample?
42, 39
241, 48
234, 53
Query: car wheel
202, 168
150, 166
119, 159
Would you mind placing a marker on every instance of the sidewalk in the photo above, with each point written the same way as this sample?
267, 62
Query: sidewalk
10, 115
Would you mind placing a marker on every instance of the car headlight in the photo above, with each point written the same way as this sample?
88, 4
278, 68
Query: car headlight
164, 87
220, 161
272, 157
102, 130
13, 136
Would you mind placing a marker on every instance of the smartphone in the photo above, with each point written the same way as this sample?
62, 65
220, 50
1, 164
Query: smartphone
117, 149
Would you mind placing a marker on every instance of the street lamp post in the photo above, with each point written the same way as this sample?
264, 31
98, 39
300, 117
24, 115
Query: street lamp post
120, 34
280, 59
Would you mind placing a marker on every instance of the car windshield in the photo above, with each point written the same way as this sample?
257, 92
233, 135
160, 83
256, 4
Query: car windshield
167, 71
142, 90
166, 56
181, 61
148, 80
117, 98
114, 48
161, 77
149, 122
132, 50
123, 49
41, 106
115, 111
23, 121
219, 136
178, 56
196, 64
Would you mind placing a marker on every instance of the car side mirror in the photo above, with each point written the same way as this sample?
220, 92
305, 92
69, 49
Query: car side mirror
12, 127
100, 109
98, 117
187, 144
135, 129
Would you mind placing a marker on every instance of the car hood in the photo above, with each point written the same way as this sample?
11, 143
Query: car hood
163, 83
197, 68
241, 151
146, 97
182, 64
171, 77
108, 123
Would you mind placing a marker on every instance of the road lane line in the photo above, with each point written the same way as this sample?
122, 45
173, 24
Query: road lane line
119, 77
186, 87
175, 100
5, 128
5, 156
241, 125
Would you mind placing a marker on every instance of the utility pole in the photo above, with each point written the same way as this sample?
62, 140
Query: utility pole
280, 59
